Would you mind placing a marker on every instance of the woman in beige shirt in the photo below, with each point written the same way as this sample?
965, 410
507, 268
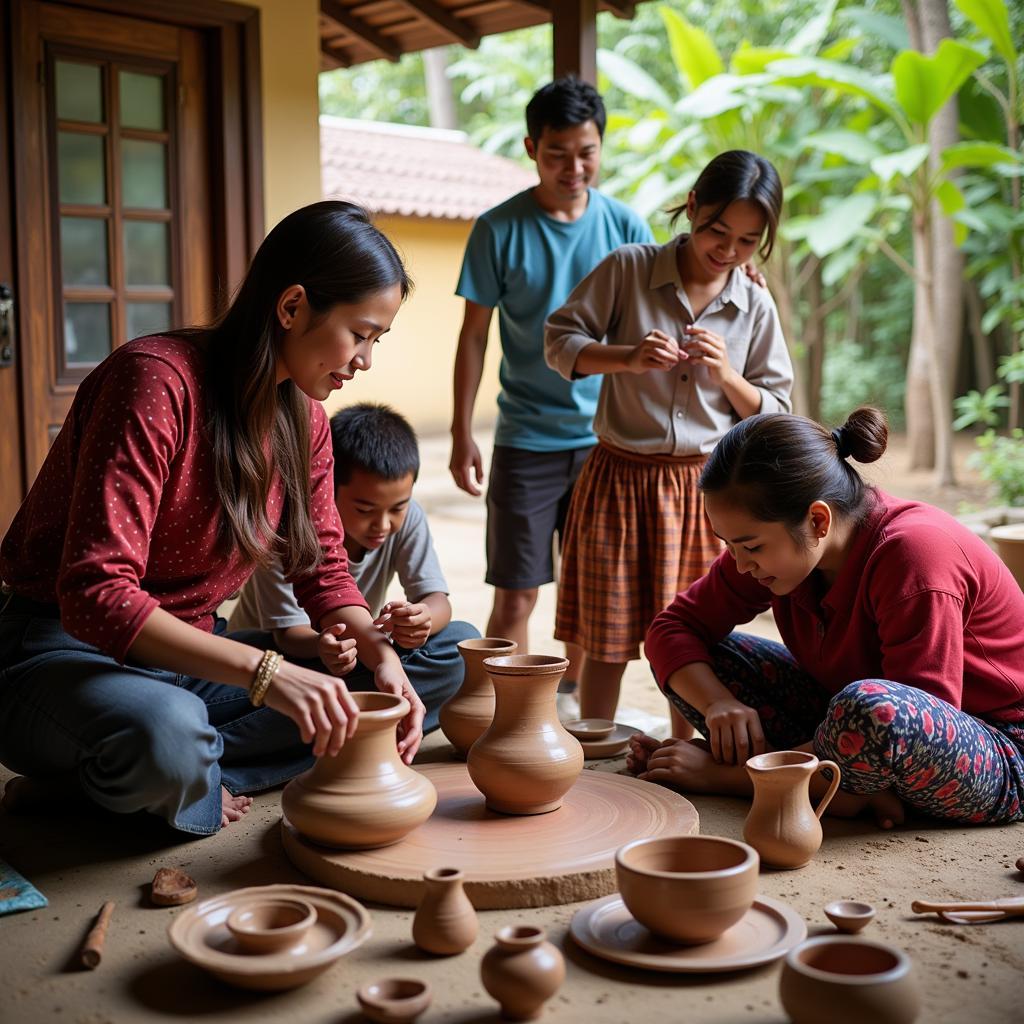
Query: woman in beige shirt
688, 346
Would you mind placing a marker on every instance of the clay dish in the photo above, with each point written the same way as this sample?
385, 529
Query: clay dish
200, 934
612, 745
394, 1000
850, 915
688, 889
848, 980
589, 729
272, 925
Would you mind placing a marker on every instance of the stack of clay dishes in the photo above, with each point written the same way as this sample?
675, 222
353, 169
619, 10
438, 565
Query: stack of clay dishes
599, 737
846, 980
270, 937
688, 903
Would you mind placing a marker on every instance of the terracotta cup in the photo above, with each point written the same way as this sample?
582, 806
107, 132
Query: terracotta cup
525, 762
394, 1000
847, 980
687, 889
850, 916
445, 921
522, 971
467, 713
271, 925
1009, 543
366, 796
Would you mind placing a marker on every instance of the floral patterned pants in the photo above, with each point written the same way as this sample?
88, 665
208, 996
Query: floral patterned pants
882, 734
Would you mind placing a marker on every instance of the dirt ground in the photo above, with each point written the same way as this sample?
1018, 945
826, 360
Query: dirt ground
80, 859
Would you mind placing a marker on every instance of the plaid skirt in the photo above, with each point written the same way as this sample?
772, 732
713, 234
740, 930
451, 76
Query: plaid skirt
635, 535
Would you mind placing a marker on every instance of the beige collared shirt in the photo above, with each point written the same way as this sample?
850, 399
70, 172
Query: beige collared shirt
682, 411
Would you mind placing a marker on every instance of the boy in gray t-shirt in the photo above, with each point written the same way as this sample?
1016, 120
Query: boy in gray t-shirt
376, 462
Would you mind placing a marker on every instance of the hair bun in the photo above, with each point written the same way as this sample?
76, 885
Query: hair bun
863, 436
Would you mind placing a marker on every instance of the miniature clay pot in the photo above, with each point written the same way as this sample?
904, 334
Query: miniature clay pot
364, 797
782, 825
848, 980
525, 762
1009, 544
271, 925
590, 730
467, 713
687, 889
394, 1000
522, 971
850, 916
445, 921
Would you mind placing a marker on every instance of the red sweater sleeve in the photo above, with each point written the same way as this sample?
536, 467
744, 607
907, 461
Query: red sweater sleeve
701, 616
129, 439
330, 585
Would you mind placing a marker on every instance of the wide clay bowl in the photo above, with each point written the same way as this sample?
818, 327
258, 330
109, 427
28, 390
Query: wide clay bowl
850, 915
394, 1000
687, 889
271, 925
589, 729
848, 980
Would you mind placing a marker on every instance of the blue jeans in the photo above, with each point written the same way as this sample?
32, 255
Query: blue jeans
140, 739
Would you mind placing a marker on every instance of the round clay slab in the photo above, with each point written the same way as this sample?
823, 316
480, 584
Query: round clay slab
766, 932
200, 934
535, 860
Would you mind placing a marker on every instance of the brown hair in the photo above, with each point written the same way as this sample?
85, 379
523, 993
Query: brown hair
775, 465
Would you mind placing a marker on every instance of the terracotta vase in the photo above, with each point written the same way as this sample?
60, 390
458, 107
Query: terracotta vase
365, 797
848, 980
1009, 544
782, 825
445, 921
525, 762
466, 715
522, 971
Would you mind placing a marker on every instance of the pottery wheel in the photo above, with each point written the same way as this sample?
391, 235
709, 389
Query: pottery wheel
536, 860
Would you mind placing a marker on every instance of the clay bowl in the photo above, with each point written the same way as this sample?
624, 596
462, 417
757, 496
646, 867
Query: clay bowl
850, 916
394, 1000
589, 730
687, 889
270, 926
848, 980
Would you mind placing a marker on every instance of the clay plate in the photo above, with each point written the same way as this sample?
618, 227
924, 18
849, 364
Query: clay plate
200, 934
767, 931
610, 746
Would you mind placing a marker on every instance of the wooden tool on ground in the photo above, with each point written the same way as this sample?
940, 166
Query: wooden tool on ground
92, 948
973, 912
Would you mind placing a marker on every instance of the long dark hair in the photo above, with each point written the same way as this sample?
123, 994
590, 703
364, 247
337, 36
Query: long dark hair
256, 426
774, 465
732, 176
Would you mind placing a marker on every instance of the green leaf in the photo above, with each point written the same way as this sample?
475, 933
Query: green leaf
883, 27
978, 154
813, 33
632, 79
950, 198
693, 52
752, 60
924, 85
991, 19
902, 163
840, 223
840, 49
717, 95
843, 78
856, 147
840, 264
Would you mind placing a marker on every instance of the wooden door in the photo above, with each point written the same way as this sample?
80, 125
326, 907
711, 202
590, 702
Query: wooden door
112, 184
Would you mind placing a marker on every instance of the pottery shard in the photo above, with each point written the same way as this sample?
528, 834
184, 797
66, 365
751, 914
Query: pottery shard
172, 887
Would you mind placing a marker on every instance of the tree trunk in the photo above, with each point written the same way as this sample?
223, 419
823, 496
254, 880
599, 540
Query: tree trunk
981, 347
917, 399
778, 273
814, 338
440, 98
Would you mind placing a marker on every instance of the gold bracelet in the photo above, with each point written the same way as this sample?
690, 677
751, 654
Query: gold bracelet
268, 667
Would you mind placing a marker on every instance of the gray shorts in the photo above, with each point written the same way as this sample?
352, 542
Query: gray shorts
527, 499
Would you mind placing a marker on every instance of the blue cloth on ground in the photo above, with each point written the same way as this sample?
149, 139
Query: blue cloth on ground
17, 892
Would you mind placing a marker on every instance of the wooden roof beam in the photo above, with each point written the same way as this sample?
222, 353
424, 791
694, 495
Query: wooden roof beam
336, 53
622, 9
452, 26
388, 48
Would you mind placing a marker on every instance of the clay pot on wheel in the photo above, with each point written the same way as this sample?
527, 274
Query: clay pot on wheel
522, 971
445, 922
465, 716
525, 762
365, 797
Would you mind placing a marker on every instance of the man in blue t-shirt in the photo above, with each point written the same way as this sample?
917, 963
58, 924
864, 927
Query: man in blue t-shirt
524, 257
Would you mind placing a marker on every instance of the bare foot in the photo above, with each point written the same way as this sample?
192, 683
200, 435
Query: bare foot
232, 807
885, 806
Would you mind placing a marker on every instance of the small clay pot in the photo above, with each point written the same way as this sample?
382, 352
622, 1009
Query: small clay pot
687, 889
467, 713
848, 980
850, 916
394, 1000
445, 921
271, 925
522, 971
1009, 544
590, 730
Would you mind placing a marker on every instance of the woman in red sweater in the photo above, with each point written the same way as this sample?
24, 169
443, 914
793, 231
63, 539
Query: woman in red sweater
901, 658
186, 460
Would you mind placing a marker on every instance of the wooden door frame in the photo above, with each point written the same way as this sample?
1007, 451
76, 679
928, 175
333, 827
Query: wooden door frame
231, 33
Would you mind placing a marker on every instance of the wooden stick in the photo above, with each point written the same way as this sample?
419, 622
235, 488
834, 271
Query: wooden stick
92, 948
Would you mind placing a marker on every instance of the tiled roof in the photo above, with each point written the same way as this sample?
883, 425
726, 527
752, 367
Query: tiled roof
413, 172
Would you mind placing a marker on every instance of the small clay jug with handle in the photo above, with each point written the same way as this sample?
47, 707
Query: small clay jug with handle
445, 921
782, 824
522, 971
467, 713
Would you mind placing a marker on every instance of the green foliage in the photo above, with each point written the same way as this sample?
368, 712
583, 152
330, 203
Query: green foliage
1000, 461
980, 407
855, 376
